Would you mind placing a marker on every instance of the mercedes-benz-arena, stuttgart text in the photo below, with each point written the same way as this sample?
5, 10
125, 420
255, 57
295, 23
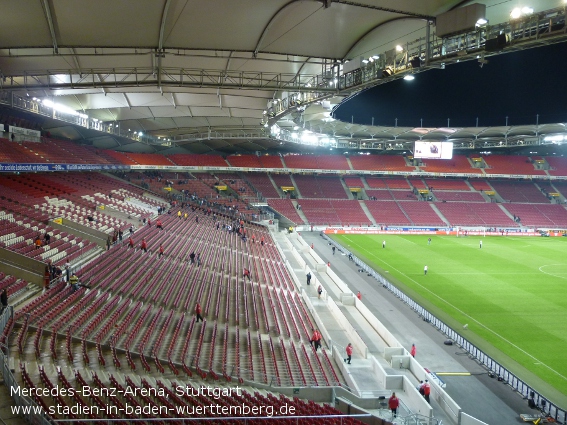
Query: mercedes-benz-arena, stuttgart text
125, 408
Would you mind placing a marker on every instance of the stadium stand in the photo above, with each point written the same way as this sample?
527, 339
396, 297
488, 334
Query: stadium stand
286, 208
387, 213
380, 163
458, 164
447, 184
517, 191
421, 213
558, 165
251, 161
475, 214
333, 212
540, 215
263, 184
510, 164
198, 160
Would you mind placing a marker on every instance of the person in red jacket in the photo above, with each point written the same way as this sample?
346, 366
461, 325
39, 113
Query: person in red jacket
393, 403
144, 246
130, 242
198, 312
316, 339
247, 274
348, 353
159, 225
426, 390
413, 350
359, 295
160, 250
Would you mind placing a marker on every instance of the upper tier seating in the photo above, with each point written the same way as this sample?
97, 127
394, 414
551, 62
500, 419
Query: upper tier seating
458, 164
558, 165
510, 164
250, 161
198, 160
512, 191
122, 158
271, 161
319, 162
380, 163
149, 158
328, 187
263, 184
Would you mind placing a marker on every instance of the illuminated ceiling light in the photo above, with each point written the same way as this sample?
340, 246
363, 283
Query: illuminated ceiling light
516, 13
399, 48
140, 133
409, 77
371, 59
295, 127
364, 60
377, 57
481, 21
526, 10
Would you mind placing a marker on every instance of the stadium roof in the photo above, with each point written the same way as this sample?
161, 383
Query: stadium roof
203, 72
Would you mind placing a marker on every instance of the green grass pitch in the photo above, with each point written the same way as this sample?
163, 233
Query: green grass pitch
512, 293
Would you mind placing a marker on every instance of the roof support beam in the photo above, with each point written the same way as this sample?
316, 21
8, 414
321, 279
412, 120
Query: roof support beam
268, 26
127, 100
47, 11
162, 26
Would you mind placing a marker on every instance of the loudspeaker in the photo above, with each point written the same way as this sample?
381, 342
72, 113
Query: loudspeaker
495, 44
415, 62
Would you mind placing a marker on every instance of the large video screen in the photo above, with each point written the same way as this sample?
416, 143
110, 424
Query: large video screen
436, 150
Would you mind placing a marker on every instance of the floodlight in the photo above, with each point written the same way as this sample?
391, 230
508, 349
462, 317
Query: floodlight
364, 60
409, 77
377, 57
481, 21
516, 13
371, 59
399, 48
526, 10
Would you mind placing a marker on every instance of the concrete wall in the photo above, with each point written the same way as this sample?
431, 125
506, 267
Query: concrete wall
84, 232
345, 324
24, 267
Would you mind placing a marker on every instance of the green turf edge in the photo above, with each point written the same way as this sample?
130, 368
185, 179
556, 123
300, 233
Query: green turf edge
542, 387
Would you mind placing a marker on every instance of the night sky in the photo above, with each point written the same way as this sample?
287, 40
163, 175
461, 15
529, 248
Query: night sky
516, 85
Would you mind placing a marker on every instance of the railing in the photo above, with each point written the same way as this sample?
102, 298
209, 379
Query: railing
548, 408
10, 381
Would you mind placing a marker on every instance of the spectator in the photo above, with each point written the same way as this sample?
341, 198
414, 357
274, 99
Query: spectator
144, 245
160, 250
393, 403
348, 350
319, 290
247, 274
413, 350
4, 299
426, 390
130, 242
198, 312
309, 278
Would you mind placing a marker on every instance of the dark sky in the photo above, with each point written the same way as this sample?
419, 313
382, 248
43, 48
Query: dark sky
516, 85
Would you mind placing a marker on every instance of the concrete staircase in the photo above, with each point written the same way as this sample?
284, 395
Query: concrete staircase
367, 212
